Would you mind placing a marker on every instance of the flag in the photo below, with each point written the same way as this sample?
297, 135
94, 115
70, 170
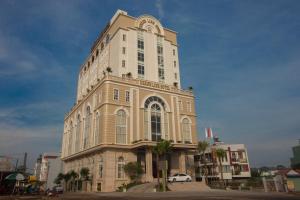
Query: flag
208, 133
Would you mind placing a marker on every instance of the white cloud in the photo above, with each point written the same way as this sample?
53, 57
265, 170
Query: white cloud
160, 9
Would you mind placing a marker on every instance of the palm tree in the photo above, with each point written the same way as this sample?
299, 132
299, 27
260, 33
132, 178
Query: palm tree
163, 148
221, 153
157, 153
84, 173
59, 178
134, 170
74, 176
202, 147
67, 177
108, 69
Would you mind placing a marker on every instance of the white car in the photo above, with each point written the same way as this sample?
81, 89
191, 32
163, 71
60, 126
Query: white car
180, 177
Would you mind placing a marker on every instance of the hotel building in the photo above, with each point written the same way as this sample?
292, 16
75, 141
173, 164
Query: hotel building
129, 97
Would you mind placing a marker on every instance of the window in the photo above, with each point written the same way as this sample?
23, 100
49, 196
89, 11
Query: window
89, 64
189, 107
226, 169
99, 187
140, 56
78, 127
101, 168
120, 166
141, 70
100, 97
174, 63
87, 128
159, 49
124, 37
175, 75
121, 127
124, 50
97, 52
140, 44
160, 60
245, 168
97, 129
123, 63
127, 96
155, 122
173, 52
70, 139
224, 159
180, 105
93, 58
116, 94
107, 39
186, 130
161, 73
102, 46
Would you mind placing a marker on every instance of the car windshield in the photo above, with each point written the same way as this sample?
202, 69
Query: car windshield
175, 175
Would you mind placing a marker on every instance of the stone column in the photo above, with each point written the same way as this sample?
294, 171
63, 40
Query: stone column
149, 174
182, 165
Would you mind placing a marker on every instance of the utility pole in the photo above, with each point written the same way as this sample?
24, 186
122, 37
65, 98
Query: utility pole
17, 164
25, 160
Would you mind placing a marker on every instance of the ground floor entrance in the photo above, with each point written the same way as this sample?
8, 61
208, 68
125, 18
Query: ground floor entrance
106, 167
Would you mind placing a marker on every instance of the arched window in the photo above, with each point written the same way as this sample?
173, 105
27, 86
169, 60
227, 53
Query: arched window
155, 119
155, 122
121, 127
70, 139
97, 129
87, 127
77, 139
186, 130
101, 167
120, 169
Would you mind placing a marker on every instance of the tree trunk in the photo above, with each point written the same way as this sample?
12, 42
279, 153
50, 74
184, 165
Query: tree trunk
157, 170
164, 174
221, 171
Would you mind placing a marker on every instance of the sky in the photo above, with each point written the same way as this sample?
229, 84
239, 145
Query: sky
241, 57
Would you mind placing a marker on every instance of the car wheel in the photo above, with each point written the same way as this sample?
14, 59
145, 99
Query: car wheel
174, 179
188, 180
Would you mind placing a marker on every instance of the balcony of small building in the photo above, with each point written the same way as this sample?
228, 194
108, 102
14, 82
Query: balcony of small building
213, 172
239, 171
239, 160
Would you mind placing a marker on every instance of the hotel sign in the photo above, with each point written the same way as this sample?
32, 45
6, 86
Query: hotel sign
155, 85
149, 24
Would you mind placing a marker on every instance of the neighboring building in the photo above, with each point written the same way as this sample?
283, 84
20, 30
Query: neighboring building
120, 115
290, 178
235, 164
295, 160
51, 166
37, 167
5, 164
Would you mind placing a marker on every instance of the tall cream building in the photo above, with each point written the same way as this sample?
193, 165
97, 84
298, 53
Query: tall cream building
129, 97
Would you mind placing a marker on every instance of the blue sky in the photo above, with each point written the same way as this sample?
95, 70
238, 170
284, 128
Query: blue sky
241, 57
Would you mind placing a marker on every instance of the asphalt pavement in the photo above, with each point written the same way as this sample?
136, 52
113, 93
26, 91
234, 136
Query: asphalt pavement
214, 194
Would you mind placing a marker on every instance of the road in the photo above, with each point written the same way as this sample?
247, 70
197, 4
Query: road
214, 194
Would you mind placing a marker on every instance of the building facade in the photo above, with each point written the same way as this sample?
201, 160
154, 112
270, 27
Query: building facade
37, 167
295, 160
129, 97
235, 164
50, 167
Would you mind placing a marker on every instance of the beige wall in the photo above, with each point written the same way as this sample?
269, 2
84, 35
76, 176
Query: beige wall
101, 100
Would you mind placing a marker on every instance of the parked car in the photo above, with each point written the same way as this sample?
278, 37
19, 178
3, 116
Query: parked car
180, 177
58, 189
